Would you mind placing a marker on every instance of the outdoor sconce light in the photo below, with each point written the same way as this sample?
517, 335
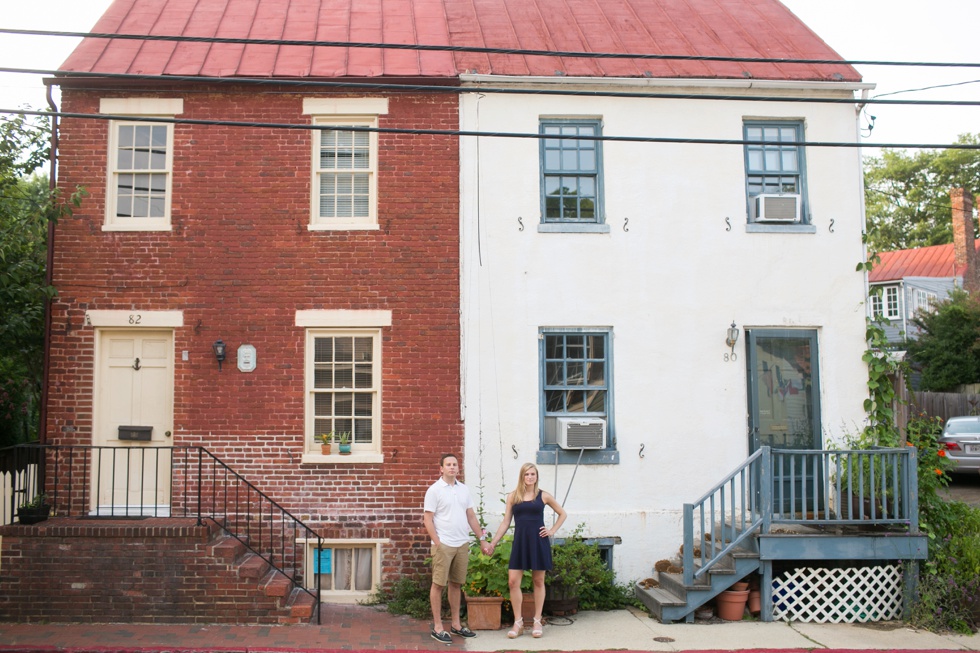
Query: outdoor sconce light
219, 351
732, 337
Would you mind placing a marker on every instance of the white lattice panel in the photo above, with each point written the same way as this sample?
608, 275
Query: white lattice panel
856, 594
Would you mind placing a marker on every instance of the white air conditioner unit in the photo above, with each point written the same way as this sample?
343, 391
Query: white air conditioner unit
777, 208
581, 433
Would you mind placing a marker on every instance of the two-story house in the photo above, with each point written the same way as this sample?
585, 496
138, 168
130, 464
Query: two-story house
660, 278
906, 281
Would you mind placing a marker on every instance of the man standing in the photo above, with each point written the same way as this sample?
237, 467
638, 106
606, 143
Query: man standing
449, 519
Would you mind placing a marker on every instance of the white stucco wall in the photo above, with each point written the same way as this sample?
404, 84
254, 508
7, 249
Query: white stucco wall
668, 285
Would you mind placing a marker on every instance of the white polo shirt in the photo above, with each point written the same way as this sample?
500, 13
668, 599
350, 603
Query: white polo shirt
448, 505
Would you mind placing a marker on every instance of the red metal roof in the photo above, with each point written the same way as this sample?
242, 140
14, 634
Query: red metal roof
934, 261
723, 28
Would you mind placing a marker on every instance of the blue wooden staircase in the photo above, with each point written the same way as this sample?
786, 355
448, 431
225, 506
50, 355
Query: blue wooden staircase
785, 505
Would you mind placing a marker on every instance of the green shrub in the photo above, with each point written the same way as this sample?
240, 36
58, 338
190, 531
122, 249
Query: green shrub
407, 595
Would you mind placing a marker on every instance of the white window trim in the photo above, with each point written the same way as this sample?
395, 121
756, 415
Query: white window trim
346, 596
886, 309
341, 322
142, 107
357, 112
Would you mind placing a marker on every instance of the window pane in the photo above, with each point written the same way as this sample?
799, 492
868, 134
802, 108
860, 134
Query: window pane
554, 401
755, 159
789, 162
576, 373
363, 405
343, 375
343, 404
597, 373
142, 136
126, 135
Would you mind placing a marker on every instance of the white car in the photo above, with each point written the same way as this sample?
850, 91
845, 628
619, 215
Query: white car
961, 437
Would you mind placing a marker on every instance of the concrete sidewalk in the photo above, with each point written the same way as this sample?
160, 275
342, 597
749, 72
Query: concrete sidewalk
367, 628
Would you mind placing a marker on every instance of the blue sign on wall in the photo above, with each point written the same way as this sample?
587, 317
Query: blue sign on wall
321, 561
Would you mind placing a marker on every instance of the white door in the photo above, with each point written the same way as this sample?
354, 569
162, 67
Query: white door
134, 398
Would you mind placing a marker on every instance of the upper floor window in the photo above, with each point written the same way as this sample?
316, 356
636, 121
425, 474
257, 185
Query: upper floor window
140, 165
774, 172
576, 386
345, 162
885, 304
571, 175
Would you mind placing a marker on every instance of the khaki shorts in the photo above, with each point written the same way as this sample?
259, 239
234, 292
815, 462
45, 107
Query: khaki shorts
449, 563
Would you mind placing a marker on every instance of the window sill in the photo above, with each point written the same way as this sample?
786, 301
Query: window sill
758, 228
158, 226
348, 226
351, 459
571, 457
572, 228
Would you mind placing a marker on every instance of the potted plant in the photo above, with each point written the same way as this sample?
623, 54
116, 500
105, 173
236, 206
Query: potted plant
325, 440
577, 566
486, 585
344, 440
34, 511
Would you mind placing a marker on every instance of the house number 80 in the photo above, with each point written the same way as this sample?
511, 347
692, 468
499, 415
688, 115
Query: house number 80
731, 358
135, 319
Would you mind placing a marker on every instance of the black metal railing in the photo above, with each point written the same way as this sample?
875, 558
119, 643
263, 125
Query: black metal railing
179, 482
804, 487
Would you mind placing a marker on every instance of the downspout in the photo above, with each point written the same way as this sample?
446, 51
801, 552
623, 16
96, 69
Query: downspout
48, 275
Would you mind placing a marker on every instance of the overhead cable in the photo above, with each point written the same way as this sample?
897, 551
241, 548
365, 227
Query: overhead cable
481, 134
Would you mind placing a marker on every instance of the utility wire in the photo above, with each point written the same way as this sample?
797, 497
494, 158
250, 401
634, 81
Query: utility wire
474, 49
483, 134
442, 88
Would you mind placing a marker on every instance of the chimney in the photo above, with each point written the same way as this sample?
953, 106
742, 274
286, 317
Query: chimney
964, 248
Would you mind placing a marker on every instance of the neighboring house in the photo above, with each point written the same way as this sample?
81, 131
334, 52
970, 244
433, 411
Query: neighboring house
601, 277
636, 317
911, 280
325, 260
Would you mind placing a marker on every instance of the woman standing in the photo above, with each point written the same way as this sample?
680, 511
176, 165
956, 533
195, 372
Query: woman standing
532, 543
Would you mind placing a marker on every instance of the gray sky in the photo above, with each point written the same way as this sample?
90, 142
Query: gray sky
880, 30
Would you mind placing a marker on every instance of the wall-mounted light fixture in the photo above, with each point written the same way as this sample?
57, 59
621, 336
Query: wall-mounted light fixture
219, 351
732, 337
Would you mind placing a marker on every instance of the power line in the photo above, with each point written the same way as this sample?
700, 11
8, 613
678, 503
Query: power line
482, 134
442, 88
474, 49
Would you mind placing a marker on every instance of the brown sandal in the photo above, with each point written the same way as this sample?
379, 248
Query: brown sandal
517, 629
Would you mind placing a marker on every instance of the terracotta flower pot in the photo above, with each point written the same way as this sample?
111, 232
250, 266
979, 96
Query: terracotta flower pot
527, 607
483, 612
755, 601
739, 586
731, 605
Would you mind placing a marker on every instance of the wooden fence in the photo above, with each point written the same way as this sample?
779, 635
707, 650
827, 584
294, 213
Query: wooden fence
946, 404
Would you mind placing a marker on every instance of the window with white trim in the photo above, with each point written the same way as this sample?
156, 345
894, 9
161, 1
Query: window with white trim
345, 173
139, 164
924, 300
343, 387
348, 570
774, 172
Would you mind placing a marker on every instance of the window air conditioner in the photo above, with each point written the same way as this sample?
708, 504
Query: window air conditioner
777, 208
581, 433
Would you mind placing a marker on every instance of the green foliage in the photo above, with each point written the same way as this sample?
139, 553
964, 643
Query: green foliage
407, 595
948, 347
37, 502
579, 569
922, 432
907, 194
490, 575
949, 582
880, 404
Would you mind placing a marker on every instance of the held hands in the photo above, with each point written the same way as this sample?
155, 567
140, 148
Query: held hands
487, 548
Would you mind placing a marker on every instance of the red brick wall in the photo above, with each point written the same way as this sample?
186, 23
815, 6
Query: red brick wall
240, 262
147, 572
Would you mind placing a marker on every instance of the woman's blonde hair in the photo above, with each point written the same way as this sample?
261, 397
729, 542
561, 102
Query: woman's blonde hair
518, 493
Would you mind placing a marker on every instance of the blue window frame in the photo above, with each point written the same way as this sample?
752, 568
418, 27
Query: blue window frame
774, 163
576, 381
571, 179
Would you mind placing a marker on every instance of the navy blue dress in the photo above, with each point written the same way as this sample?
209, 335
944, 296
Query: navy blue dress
530, 551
